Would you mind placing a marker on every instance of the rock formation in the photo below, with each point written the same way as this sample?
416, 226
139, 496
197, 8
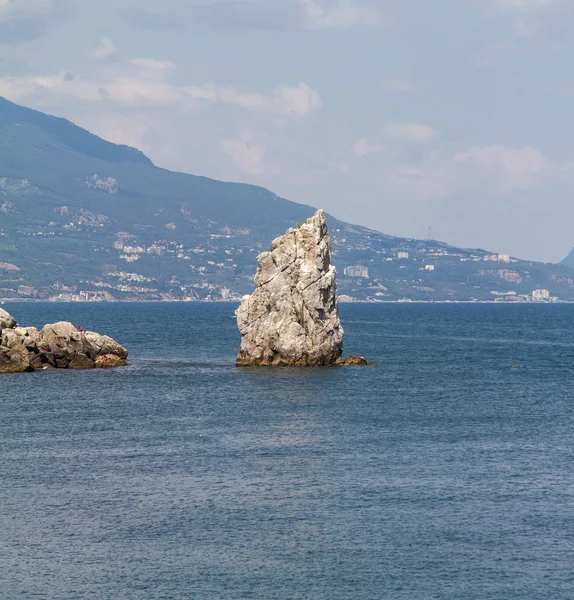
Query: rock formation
6, 320
56, 346
292, 318
357, 361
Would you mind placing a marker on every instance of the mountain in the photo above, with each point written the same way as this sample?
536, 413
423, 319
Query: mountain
569, 260
81, 217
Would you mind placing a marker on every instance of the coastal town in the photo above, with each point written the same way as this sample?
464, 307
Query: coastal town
219, 266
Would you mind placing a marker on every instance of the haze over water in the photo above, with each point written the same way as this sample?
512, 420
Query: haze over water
443, 473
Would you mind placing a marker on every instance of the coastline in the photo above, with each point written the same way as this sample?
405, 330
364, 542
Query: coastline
407, 302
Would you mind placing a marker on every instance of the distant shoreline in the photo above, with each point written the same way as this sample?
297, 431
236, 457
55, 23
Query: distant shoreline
376, 302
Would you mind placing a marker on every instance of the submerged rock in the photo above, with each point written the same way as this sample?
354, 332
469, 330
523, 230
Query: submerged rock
56, 346
110, 361
292, 318
357, 361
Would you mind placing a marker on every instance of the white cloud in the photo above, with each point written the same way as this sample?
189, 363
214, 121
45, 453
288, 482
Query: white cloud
149, 85
401, 86
229, 95
26, 20
135, 91
523, 5
518, 160
416, 133
105, 50
152, 64
140, 102
340, 14
364, 147
260, 15
12, 10
300, 100
450, 170
483, 62
512, 169
247, 156
432, 178
526, 14
122, 127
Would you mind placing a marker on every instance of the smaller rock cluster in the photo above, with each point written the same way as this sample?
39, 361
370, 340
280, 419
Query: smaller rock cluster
56, 346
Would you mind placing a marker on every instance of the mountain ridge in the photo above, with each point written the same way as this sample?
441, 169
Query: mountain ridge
81, 217
72, 135
569, 260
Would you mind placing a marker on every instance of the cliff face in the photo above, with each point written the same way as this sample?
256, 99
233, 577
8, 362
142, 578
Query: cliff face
292, 318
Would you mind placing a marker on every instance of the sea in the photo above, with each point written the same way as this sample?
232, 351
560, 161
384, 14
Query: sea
444, 472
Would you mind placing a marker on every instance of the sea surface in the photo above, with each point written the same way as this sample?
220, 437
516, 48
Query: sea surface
445, 472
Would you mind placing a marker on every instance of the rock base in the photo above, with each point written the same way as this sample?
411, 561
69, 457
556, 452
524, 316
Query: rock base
356, 361
352, 361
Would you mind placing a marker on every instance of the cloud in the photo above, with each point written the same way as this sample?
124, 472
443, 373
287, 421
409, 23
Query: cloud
523, 5
147, 82
273, 15
451, 170
150, 64
140, 18
364, 147
415, 133
25, 20
401, 86
518, 160
105, 50
247, 156
221, 130
528, 15
512, 169
340, 14
300, 100
483, 62
248, 14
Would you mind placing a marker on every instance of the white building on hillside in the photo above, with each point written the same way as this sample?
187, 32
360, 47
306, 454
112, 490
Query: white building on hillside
357, 271
540, 295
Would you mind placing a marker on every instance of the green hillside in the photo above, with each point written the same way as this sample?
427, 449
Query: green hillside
82, 217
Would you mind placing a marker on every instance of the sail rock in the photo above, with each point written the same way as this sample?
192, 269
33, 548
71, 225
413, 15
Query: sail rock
292, 318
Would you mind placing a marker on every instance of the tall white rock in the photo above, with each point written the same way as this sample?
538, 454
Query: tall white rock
292, 318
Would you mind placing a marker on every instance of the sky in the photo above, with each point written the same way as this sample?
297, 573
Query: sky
413, 117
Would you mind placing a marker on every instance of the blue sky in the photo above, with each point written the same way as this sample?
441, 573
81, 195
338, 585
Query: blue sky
396, 114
